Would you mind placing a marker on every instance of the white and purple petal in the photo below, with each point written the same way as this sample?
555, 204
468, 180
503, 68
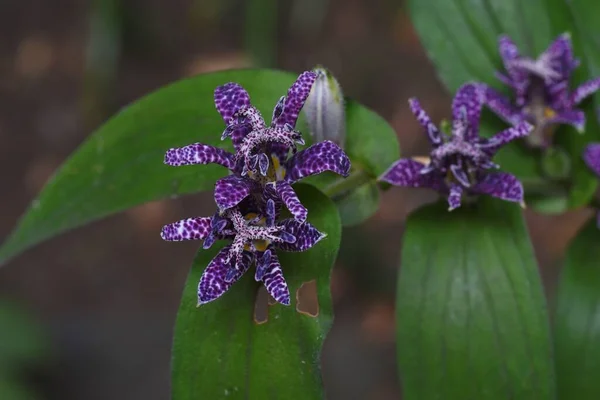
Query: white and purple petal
559, 57
455, 196
501, 185
433, 133
231, 190
229, 98
289, 198
502, 106
213, 282
575, 118
196, 228
585, 90
466, 109
294, 101
409, 173
493, 144
199, 153
305, 233
591, 156
274, 281
519, 79
320, 157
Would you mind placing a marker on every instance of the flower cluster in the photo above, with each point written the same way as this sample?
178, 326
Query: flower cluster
541, 89
265, 165
460, 163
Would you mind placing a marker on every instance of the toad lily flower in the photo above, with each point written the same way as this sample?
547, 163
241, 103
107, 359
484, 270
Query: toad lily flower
255, 238
541, 87
591, 156
460, 163
262, 156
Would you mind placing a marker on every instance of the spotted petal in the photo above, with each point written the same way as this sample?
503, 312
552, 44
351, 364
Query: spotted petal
199, 153
433, 132
501, 185
406, 172
584, 90
290, 199
275, 282
196, 228
229, 191
493, 144
502, 106
591, 156
576, 118
229, 98
518, 78
559, 57
320, 157
467, 105
306, 235
455, 196
294, 101
213, 283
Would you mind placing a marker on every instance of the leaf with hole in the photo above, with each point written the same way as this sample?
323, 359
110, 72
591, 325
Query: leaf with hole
233, 348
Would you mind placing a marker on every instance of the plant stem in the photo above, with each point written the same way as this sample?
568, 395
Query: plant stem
341, 186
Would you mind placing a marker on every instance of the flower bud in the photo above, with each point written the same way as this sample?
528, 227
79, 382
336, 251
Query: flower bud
325, 109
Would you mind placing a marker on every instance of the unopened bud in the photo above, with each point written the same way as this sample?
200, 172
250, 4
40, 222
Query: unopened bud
325, 109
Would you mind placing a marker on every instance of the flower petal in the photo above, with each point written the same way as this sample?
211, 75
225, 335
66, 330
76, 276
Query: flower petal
584, 90
320, 157
575, 118
296, 96
407, 172
306, 235
493, 144
196, 228
290, 199
455, 196
501, 185
519, 78
229, 98
433, 133
213, 283
275, 282
559, 57
199, 153
591, 156
229, 191
502, 106
467, 105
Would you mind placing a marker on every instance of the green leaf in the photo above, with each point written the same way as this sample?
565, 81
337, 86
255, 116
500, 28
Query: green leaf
121, 164
471, 313
577, 320
460, 37
220, 351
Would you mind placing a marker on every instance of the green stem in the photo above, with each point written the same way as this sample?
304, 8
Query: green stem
356, 179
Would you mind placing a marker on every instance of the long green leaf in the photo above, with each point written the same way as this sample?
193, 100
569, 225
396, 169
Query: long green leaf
577, 319
121, 164
460, 37
471, 314
220, 351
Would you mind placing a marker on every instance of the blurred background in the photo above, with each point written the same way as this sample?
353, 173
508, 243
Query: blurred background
105, 296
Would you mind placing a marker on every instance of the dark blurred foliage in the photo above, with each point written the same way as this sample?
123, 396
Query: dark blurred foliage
107, 294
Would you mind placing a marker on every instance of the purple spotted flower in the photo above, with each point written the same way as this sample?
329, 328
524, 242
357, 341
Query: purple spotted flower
460, 163
262, 163
255, 237
541, 89
591, 156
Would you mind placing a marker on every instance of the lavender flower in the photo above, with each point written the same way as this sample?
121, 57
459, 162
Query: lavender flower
591, 156
460, 163
255, 238
261, 161
541, 88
